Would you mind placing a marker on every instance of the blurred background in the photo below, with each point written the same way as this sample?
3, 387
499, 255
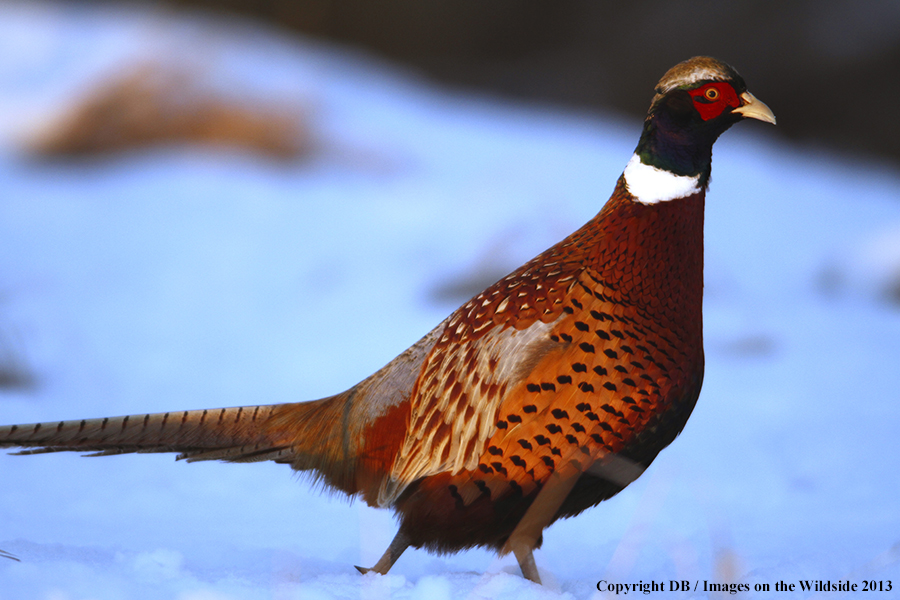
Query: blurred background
828, 67
221, 203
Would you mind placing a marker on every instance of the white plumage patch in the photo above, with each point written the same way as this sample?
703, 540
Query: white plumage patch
650, 185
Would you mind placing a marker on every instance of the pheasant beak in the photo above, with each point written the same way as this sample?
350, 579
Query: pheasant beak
755, 109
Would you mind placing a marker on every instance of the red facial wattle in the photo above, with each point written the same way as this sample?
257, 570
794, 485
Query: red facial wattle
712, 99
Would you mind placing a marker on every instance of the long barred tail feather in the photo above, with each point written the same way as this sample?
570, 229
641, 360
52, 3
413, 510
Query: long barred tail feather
347, 441
230, 433
309, 436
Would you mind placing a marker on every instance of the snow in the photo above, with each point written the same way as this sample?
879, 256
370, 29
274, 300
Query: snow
179, 278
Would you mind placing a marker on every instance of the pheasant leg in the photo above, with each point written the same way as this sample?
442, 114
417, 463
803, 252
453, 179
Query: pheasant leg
390, 556
525, 536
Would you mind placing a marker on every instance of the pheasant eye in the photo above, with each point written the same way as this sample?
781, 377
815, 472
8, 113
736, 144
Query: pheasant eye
712, 94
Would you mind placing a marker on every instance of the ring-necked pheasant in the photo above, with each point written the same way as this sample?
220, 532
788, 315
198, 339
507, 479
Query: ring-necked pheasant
540, 397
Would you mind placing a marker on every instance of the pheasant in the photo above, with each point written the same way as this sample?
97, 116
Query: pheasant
540, 397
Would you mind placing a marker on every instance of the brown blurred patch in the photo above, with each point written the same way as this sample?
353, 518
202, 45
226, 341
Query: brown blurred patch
147, 104
727, 570
495, 262
749, 345
14, 370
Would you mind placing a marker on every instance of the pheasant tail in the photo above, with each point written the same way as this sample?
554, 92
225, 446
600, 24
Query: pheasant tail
346, 441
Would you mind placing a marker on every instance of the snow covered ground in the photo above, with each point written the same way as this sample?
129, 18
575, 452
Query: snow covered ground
186, 278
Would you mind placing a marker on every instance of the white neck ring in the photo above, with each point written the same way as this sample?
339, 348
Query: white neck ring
651, 185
